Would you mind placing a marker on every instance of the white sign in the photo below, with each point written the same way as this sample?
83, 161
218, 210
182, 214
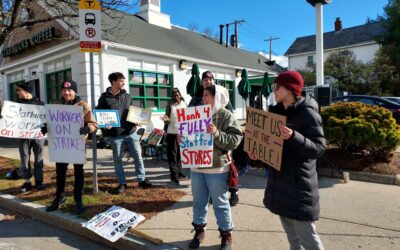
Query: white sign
105, 118
66, 144
22, 120
113, 223
90, 25
138, 115
196, 145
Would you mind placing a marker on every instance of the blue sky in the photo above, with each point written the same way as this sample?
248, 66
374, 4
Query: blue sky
286, 19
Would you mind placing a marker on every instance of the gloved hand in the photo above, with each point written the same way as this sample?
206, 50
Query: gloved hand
44, 129
84, 131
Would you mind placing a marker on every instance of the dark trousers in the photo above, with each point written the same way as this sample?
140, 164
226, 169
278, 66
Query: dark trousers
61, 171
25, 146
174, 156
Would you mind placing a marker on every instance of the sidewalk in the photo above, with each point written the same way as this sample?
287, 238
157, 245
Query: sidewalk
354, 215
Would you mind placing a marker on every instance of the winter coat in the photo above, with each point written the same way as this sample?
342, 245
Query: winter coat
293, 192
32, 101
120, 102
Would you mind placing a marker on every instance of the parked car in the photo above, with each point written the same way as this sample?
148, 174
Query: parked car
392, 98
372, 100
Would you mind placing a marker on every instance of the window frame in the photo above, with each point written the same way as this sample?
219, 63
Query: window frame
146, 86
57, 85
232, 88
12, 86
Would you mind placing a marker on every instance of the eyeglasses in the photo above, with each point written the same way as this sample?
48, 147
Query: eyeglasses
275, 87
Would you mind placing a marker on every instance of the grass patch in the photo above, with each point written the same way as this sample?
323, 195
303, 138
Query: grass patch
147, 202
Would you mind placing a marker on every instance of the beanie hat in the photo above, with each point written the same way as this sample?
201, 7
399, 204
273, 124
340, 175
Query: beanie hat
70, 85
27, 86
207, 74
291, 80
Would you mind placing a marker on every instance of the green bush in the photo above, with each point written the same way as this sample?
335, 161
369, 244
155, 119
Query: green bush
356, 127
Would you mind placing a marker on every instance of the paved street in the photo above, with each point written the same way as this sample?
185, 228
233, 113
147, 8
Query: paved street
22, 233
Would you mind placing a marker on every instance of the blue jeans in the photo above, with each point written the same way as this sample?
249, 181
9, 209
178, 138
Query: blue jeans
132, 144
215, 186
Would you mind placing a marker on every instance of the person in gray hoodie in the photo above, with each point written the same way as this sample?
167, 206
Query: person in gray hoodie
213, 182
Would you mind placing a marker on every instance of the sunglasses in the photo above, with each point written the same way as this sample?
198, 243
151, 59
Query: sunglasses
275, 87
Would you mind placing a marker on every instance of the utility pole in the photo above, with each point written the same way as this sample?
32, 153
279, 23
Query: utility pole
236, 22
270, 45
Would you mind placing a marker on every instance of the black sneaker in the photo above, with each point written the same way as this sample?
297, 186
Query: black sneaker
121, 188
39, 185
175, 181
26, 187
13, 175
182, 177
57, 202
234, 200
145, 184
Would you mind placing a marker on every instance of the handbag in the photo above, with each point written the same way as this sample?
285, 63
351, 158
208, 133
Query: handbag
233, 180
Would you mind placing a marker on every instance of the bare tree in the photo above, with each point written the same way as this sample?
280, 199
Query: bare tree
208, 32
16, 14
193, 27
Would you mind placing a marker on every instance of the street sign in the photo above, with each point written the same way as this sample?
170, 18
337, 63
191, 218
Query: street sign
90, 25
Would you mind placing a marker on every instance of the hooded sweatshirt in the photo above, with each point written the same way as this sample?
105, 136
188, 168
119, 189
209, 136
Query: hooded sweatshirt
228, 135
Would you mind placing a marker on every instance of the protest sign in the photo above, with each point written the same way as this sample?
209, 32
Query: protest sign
155, 137
106, 118
22, 120
66, 144
138, 115
262, 136
195, 143
113, 223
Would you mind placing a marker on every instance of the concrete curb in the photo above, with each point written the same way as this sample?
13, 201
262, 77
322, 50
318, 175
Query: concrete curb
73, 224
361, 176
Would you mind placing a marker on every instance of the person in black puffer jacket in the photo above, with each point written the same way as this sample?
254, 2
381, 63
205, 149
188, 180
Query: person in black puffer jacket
24, 92
292, 193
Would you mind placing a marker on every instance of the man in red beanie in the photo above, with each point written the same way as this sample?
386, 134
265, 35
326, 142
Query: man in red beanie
292, 193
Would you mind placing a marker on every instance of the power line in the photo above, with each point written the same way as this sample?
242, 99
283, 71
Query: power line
270, 45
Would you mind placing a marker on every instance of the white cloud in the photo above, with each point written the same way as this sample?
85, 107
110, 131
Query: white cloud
281, 60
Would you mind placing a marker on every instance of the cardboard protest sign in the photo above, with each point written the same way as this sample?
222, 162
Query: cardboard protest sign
138, 115
196, 144
106, 118
22, 120
113, 223
155, 137
262, 136
63, 125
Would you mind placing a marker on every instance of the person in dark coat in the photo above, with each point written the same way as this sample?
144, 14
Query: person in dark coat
197, 100
292, 193
24, 93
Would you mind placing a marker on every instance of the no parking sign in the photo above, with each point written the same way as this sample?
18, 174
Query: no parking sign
90, 25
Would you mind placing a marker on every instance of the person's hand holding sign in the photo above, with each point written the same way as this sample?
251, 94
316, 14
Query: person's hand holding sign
212, 129
286, 133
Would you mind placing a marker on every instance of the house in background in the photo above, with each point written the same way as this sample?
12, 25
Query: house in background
154, 55
361, 40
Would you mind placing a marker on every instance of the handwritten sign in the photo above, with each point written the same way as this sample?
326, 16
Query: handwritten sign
106, 118
63, 125
196, 144
138, 115
22, 120
262, 136
113, 223
155, 137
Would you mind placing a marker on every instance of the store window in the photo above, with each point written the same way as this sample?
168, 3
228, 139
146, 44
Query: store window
310, 61
53, 84
150, 89
230, 86
12, 90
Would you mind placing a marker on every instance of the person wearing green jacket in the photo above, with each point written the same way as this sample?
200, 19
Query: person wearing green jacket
213, 182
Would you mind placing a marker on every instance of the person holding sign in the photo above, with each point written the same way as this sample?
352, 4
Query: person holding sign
213, 182
292, 193
117, 98
24, 93
171, 127
69, 95
207, 79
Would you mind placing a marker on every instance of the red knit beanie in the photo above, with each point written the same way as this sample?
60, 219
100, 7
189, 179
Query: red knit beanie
291, 80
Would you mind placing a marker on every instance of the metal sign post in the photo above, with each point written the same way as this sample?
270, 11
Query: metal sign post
90, 41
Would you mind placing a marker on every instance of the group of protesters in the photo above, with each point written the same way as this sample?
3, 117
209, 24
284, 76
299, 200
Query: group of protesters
292, 193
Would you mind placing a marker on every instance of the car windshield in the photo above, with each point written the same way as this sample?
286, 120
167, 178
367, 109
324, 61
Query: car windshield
392, 99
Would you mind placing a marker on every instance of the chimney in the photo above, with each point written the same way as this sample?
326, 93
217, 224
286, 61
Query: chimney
338, 24
150, 10
221, 34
